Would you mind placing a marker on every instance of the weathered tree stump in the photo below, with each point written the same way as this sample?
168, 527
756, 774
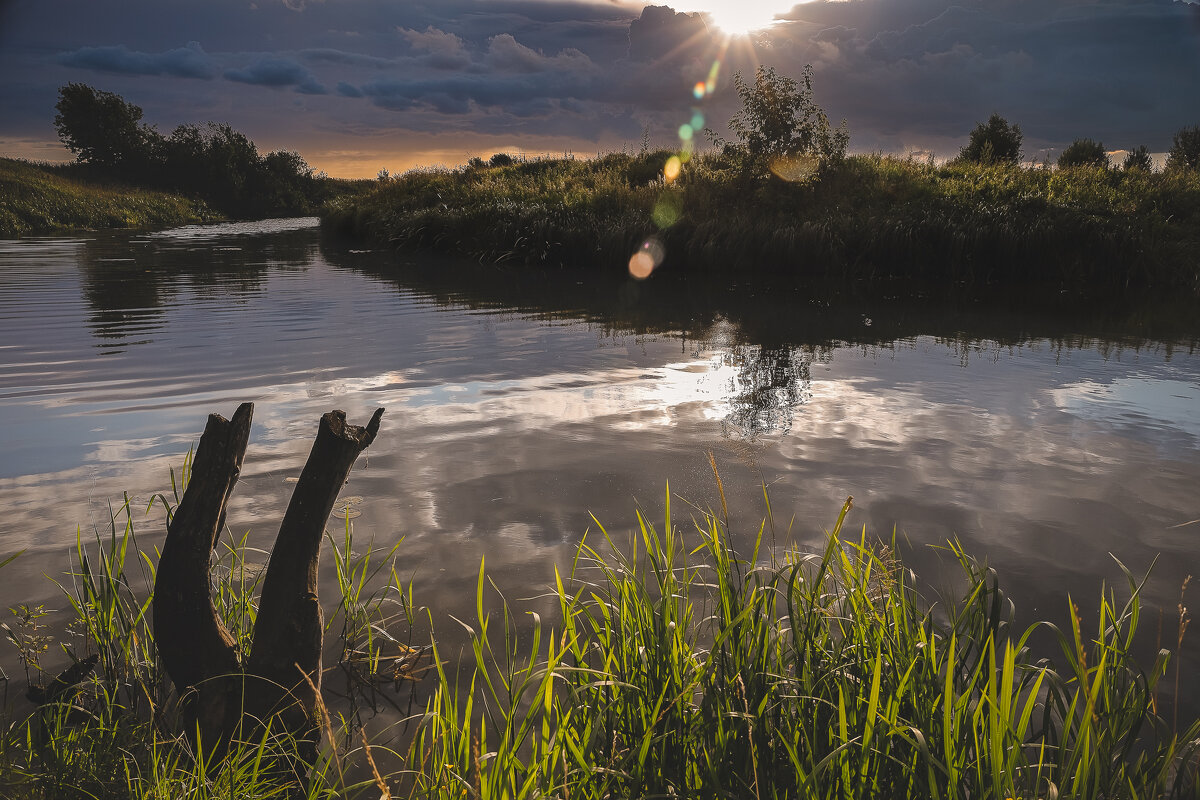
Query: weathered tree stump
279, 683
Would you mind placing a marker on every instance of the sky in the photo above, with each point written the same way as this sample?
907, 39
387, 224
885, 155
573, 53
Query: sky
359, 85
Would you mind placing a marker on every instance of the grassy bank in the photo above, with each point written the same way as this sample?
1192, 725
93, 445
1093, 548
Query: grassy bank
676, 667
872, 219
36, 200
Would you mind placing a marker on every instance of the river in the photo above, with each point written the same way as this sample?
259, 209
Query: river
519, 405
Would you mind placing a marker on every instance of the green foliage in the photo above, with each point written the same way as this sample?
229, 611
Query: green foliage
102, 129
960, 228
1139, 159
779, 121
34, 199
117, 733
211, 161
1084, 153
1185, 149
675, 667
687, 670
993, 142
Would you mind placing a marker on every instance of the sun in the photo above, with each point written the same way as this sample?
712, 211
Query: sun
740, 17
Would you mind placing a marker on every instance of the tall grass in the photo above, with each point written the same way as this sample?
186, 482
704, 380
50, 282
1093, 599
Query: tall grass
675, 667
680, 669
872, 220
113, 730
35, 200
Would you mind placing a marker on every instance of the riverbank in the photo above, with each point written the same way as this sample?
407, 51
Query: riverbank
34, 200
873, 220
673, 669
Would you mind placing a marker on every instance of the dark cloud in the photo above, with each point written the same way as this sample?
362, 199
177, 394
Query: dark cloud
182, 62
277, 73
918, 74
441, 50
906, 74
660, 32
329, 55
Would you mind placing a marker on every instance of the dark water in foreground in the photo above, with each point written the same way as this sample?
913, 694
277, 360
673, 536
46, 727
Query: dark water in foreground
517, 406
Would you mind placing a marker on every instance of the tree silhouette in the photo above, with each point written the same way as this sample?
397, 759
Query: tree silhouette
213, 162
1185, 150
101, 128
1084, 153
994, 142
1138, 158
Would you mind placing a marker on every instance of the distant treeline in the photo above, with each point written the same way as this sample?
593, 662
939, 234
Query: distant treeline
210, 162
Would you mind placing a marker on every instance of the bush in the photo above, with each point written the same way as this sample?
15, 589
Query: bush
1138, 158
780, 121
1185, 150
1084, 153
994, 142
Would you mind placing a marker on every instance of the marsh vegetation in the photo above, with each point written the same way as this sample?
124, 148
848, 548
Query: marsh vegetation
39, 199
869, 220
675, 667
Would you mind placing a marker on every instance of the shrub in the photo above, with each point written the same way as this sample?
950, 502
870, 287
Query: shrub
994, 142
1138, 158
1084, 153
780, 121
1185, 150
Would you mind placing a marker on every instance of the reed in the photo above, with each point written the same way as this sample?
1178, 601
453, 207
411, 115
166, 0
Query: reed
676, 666
681, 669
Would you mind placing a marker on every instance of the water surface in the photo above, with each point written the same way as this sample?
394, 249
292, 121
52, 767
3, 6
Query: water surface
520, 404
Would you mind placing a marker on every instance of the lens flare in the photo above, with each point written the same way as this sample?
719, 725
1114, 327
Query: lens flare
710, 86
671, 168
796, 169
646, 259
699, 90
668, 208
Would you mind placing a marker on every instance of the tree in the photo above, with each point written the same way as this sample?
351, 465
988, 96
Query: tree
1138, 158
1185, 150
779, 121
219, 164
212, 161
1084, 153
993, 142
101, 128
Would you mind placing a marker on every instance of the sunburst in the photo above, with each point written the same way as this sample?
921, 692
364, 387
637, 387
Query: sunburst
739, 17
